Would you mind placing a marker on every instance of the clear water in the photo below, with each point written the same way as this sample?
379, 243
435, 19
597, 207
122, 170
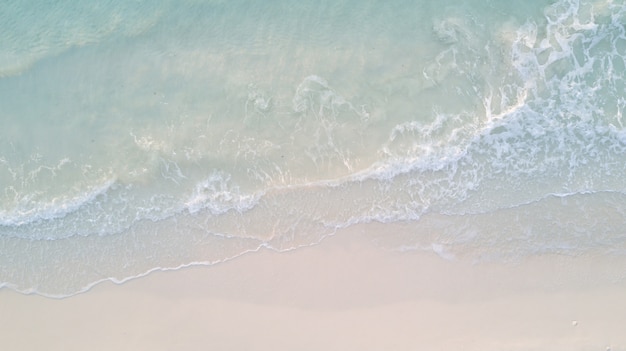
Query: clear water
146, 135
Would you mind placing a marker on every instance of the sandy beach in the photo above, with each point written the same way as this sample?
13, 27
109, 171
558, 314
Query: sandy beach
343, 294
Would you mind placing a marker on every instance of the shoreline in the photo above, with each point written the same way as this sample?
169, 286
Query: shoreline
345, 294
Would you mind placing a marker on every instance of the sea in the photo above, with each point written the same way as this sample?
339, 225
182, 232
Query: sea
147, 135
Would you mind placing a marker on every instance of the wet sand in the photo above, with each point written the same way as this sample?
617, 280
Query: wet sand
343, 294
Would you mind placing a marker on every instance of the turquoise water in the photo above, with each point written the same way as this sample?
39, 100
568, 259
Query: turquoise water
147, 135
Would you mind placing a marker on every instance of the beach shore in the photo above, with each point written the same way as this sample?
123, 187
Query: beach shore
343, 294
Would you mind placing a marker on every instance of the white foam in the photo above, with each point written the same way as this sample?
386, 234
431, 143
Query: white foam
217, 195
547, 123
29, 211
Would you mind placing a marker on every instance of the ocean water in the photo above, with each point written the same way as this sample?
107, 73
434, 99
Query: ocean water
146, 135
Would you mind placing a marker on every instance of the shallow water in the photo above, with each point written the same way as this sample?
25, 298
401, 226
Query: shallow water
159, 134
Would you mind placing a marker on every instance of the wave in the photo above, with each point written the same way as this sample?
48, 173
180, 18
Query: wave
113, 207
53, 209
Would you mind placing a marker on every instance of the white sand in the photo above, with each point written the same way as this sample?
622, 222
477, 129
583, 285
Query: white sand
343, 294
